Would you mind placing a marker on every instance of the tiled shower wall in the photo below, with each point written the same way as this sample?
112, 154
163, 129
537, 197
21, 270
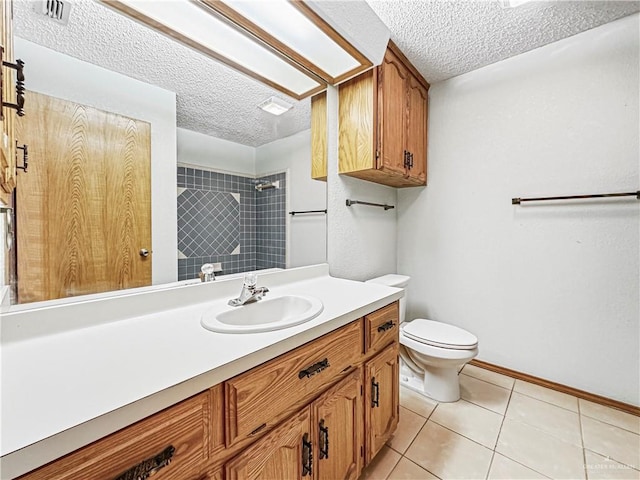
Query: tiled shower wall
223, 218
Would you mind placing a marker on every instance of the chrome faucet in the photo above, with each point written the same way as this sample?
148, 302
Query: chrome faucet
207, 273
250, 293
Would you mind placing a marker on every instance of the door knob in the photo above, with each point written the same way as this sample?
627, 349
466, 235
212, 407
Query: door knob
144, 252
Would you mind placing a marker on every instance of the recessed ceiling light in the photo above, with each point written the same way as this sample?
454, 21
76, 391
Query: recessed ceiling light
513, 3
275, 106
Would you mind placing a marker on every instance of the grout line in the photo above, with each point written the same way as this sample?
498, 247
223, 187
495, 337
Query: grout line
462, 372
607, 457
584, 454
408, 459
495, 445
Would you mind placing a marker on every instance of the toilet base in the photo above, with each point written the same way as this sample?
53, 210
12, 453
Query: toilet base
439, 384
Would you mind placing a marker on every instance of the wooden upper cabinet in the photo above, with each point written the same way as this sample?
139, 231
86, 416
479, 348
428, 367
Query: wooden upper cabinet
8, 94
382, 133
319, 136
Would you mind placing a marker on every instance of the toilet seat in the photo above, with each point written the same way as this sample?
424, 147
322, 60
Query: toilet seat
438, 334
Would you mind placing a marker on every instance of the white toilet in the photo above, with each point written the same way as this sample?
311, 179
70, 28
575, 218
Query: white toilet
431, 353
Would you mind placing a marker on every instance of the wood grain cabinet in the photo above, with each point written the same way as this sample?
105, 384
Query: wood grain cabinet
319, 137
382, 134
323, 441
382, 399
7, 115
322, 411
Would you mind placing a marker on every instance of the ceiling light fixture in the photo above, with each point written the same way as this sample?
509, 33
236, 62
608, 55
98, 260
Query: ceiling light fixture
275, 106
282, 43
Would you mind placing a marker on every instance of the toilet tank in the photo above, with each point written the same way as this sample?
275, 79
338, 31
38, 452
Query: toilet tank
398, 281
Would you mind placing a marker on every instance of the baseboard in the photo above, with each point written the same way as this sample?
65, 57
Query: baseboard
592, 397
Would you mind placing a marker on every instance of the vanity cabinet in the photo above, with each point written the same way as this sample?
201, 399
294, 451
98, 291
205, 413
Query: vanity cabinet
8, 95
382, 399
170, 445
382, 133
322, 410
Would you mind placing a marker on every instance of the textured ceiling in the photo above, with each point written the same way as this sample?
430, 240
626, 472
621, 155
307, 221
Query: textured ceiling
448, 38
442, 38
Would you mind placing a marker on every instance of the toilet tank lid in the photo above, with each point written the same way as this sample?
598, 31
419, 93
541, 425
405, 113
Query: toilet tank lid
391, 280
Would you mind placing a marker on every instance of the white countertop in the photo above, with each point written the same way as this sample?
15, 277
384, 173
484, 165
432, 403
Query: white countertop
74, 373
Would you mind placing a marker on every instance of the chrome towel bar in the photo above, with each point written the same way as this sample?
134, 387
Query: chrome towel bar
358, 202
307, 211
518, 201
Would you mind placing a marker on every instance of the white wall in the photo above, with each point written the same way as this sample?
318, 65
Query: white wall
65, 77
550, 289
361, 239
200, 150
307, 242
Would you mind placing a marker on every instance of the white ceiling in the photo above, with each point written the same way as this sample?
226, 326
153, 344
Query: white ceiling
442, 38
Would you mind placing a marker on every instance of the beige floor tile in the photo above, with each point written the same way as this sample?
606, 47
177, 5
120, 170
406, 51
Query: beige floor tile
503, 468
484, 394
381, 465
407, 470
540, 451
613, 442
547, 395
416, 403
474, 422
488, 376
408, 427
549, 418
449, 455
603, 468
610, 415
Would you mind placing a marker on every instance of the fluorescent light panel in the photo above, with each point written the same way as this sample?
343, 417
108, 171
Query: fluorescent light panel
191, 21
282, 20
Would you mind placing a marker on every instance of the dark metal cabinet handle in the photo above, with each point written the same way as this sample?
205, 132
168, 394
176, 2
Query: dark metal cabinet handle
313, 369
324, 440
25, 157
375, 393
307, 456
405, 164
150, 466
386, 326
410, 160
19, 105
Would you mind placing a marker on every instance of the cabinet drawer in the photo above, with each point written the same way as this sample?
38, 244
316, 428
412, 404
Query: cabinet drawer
382, 327
182, 427
258, 399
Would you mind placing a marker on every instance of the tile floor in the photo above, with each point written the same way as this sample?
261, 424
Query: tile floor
504, 428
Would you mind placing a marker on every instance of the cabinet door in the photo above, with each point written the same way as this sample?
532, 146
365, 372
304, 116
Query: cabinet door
338, 430
285, 453
416, 135
7, 119
392, 114
319, 136
382, 397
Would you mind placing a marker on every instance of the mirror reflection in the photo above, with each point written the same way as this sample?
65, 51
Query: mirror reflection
148, 160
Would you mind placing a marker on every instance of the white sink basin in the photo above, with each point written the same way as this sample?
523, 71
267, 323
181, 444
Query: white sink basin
270, 313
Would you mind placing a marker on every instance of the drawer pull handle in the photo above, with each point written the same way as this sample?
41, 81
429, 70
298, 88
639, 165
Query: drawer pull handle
386, 326
313, 369
150, 466
19, 105
324, 440
375, 393
307, 456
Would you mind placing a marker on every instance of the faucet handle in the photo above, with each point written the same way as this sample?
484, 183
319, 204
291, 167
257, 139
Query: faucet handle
250, 279
207, 274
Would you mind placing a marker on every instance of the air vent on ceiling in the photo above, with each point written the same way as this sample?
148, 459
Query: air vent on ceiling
54, 9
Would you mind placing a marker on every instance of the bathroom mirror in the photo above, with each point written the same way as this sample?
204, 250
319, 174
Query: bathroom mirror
125, 126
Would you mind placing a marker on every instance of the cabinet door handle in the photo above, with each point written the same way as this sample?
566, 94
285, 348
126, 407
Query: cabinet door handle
323, 440
410, 160
386, 326
405, 164
313, 369
19, 105
307, 456
149, 467
375, 393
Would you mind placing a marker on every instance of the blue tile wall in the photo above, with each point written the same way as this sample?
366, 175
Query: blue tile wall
212, 224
